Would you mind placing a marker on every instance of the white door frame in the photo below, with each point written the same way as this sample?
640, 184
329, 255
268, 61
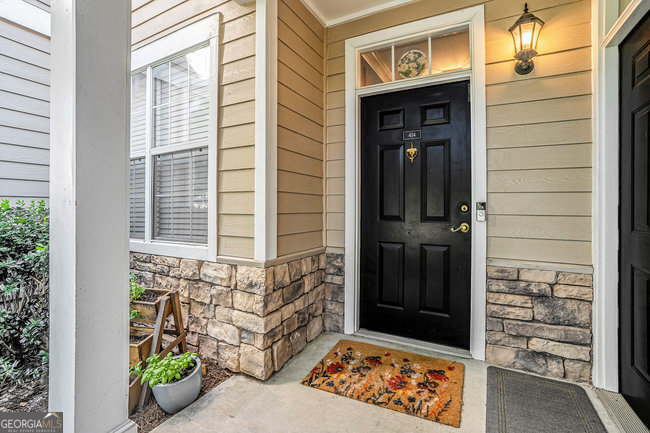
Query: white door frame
472, 18
608, 31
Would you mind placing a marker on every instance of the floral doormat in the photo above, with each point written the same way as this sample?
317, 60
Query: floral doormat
418, 385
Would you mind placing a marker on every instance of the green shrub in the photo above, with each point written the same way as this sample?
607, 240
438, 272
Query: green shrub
24, 291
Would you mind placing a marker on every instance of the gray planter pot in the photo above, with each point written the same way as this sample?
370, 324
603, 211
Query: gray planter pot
175, 396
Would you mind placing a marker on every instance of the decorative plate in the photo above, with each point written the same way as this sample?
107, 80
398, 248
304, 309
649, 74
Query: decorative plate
412, 64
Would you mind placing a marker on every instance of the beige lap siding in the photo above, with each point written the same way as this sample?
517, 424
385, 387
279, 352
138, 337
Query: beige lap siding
538, 131
301, 120
236, 142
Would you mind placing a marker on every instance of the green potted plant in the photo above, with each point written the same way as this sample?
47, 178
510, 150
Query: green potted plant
174, 380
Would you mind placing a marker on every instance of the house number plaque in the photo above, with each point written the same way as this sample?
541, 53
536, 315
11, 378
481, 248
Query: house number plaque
415, 134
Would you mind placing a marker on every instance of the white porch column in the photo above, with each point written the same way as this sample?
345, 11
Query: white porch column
89, 214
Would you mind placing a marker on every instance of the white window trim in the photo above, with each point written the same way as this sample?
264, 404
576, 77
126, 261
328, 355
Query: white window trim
204, 32
474, 19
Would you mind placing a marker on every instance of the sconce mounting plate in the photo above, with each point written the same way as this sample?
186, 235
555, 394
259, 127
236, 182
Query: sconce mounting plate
524, 67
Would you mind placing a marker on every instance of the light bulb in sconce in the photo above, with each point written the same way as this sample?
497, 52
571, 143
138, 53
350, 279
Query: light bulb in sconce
525, 34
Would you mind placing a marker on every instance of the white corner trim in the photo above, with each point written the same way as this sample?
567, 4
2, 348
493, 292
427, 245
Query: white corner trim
175, 42
266, 130
474, 18
26, 15
630, 17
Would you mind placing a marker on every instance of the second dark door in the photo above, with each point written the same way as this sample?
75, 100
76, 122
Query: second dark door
634, 330
415, 272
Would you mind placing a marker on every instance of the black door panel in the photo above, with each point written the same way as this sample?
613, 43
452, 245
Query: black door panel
415, 273
634, 331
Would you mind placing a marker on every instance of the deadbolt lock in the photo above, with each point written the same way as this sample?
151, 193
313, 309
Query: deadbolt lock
464, 208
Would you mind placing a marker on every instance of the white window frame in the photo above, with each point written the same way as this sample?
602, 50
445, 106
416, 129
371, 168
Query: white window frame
430, 77
202, 33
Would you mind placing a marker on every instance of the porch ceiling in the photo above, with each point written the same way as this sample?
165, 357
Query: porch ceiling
333, 12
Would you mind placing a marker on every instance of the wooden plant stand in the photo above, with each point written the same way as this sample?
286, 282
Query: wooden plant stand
140, 351
147, 315
169, 305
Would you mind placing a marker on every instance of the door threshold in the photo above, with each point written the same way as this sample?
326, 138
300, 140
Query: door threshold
419, 344
620, 412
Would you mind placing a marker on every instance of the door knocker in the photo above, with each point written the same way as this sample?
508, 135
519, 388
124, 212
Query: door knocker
412, 152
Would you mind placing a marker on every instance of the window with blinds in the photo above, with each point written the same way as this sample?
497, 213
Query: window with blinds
170, 130
136, 196
181, 196
138, 112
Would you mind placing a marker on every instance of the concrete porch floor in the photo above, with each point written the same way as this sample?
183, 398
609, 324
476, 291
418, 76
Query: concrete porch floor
283, 405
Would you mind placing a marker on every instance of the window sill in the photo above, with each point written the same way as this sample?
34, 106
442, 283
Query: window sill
184, 251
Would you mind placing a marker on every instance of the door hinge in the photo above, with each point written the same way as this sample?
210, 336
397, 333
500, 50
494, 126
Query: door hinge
469, 92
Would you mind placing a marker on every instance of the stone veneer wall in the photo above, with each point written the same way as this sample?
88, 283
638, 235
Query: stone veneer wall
334, 293
250, 319
540, 321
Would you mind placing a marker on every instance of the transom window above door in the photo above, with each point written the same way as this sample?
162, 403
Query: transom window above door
415, 57
173, 146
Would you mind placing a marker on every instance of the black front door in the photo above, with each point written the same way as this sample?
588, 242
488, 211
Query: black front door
635, 221
415, 272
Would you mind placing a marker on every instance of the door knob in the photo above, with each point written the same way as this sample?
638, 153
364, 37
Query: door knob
464, 227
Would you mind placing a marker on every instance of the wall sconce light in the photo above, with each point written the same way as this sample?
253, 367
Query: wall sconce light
525, 32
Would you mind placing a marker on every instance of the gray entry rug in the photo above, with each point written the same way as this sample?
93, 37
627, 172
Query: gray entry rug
521, 403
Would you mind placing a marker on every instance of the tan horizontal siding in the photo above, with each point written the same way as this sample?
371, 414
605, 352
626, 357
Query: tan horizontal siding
301, 120
538, 136
236, 151
293, 203
559, 86
237, 225
546, 65
562, 156
539, 203
540, 227
542, 250
292, 161
546, 180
